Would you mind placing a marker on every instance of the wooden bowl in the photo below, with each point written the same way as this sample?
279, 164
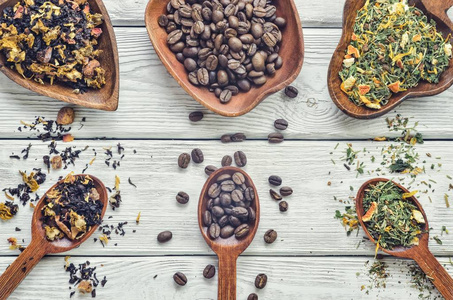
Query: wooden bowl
434, 9
105, 98
291, 50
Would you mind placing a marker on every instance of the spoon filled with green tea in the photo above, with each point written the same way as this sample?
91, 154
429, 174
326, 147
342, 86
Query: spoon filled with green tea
66, 216
394, 220
228, 216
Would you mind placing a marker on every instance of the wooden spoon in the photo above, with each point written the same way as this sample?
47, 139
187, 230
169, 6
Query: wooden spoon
291, 50
227, 250
40, 246
105, 98
434, 9
420, 253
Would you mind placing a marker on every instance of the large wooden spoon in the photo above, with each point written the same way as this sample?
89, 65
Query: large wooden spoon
227, 250
40, 246
420, 253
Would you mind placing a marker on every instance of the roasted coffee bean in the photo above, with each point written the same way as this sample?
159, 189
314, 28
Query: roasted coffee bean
164, 236
275, 180
184, 160
238, 178
210, 169
209, 271
270, 236
275, 138
214, 190
234, 89
182, 197
217, 211
190, 64
291, 91
244, 85
283, 206
207, 218
226, 231
212, 62
252, 296
257, 30
193, 78
258, 62
227, 161
228, 210
203, 76
196, 116
174, 37
216, 202
223, 221
286, 191
240, 158
281, 124
226, 138
275, 195
214, 231
237, 196
163, 21
197, 156
240, 212
225, 199
242, 231
249, 194
238, 137
225, 96
235, 222
260, 281
223, 177
180, 278
252, 214
227, 186
280, 22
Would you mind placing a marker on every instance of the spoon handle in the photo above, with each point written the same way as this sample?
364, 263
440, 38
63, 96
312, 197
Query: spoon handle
227, 277
20, 268
434, 270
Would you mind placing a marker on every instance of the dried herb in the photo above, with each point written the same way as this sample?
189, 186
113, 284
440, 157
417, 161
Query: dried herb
30, 185
393, 47
83, 277
348, 219
48, 41
8, 210
391, 217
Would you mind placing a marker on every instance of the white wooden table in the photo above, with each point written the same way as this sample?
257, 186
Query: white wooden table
312, 258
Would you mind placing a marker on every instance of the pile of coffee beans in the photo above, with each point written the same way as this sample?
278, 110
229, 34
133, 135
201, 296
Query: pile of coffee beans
229, 209
226, 45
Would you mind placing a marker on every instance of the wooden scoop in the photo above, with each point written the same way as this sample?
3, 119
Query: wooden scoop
420, 253
40, 246
227, 250
434, 9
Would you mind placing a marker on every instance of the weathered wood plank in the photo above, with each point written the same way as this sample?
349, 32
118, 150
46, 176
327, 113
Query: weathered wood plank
288, 278
153, 105
308, 228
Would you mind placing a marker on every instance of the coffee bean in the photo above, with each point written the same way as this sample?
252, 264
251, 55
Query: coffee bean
190, 64
237, 196
174, 37
249, 194
283, 206
242, 231
226, 138
207, 218
275, 138
244, 85
210, 169
197, 156
203, 76
280, 22
238, 137
270, 236
223, 177
225, 96
240, 212
240, 159
252, 214
184, 160
252, 296
227, 186
182, 197
180, 278
212, 62
225, 199
162, 20
275, 180
235, 222
238, 178
214, 190
196, 116
209, 271
291, 91
226, 161
223, 221
281, 124
275, 195
226, 231
286, 191
164, 236
214, 231
260, 281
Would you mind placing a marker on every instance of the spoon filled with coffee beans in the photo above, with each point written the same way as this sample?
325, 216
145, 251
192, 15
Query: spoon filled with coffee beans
228, 216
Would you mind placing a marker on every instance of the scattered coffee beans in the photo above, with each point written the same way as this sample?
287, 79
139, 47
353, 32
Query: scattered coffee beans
164, 236
227, 161
180, 278
252, 296
291, 92
237, 137
281, 124
225, 46
286, 191
197, 156
283, 206
229, 210
226, 138
275, 180
275, 195
196, 116
240, 159
275, 138
260, 281
270, 236
182, 197
184, 160
209, 271
210, 169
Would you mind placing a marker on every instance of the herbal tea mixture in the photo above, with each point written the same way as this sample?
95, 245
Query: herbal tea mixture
391, 217
394, 46
48, 41
72, 208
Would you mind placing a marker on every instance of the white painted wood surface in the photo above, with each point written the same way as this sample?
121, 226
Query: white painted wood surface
312, 258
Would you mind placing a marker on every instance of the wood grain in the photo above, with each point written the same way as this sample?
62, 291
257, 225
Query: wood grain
307, 228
